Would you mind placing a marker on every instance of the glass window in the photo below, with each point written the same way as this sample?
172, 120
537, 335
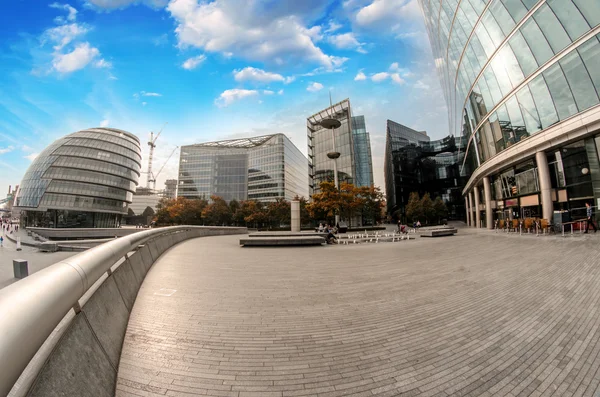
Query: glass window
553, 30
515, 8
492, 83
570, 17
493, 29
515, 73
486, 41
530, 3
516, 119
560, 91
523, 53
502, 16
537, 42
579, 81
478, 5
529, 111
590, 53
505, 125
543, 101
501, 75
590, 10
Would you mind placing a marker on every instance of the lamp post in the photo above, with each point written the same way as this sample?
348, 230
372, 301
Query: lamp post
332, 124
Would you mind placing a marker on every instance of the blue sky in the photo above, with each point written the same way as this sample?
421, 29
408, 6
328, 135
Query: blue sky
211, 69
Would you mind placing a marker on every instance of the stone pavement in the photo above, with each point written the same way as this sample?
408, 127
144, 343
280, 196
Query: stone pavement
478, 314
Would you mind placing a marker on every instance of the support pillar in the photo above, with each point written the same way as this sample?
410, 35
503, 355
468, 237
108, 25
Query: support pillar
545, 185
487, 192
472, 220
295, 219
467, 210
477, 211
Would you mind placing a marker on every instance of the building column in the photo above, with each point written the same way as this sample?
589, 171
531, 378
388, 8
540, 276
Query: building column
545, 185
477, 211
467, 210
472, 220
487, 192
295, 216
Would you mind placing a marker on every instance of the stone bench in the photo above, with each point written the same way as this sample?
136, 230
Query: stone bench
280, 241
438, 232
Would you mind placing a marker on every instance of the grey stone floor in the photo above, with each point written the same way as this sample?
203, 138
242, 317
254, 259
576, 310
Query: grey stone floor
477, 314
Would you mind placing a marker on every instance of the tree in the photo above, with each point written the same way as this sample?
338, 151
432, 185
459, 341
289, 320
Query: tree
179, 211
440, 209
304, 215
414, 210
255, 213
350, 201
279, 212
326, 204
427, 208
217, 212
234, 206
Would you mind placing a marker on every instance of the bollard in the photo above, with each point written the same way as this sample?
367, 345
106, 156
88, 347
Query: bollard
20, 268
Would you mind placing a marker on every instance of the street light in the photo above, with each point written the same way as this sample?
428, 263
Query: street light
332, 124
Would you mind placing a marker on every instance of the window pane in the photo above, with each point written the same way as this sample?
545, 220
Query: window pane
505, 125
590, 10
537, 42
502, 16
515, 8
497, 133
529, 3
579, 80
523, 53
570, 17
553, 30
543, 101
492, 83
590, 53
493, 28
529, 111
516, 118
507, 58
501, 75
560, 91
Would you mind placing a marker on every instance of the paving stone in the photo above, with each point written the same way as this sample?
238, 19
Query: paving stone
478, 314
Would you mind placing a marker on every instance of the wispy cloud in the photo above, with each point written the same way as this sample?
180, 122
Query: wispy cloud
258, 75
194, 62
7, 149
314, 87
360, 76
227, 97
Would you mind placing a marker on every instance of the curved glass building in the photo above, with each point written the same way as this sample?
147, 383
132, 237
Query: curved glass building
522, 81
86, 179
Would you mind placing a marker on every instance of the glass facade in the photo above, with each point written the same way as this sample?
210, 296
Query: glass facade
263, 168
320, 142
85, 179
362, 153
512, 69
413, 163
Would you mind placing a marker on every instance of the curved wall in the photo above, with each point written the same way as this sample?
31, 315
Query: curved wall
85, 179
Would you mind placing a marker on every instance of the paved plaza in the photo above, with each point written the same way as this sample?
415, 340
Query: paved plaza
478, 314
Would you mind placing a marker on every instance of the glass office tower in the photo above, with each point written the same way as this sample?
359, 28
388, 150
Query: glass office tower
522, 84
262, 168
362, 153
85, 179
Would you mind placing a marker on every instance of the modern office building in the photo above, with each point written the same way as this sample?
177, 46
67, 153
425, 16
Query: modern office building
170, 188
522, 84
363, 162
414, 163
85, 179
352, 142
262, 168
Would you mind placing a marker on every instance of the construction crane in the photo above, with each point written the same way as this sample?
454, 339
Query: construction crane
152, 177
152, 144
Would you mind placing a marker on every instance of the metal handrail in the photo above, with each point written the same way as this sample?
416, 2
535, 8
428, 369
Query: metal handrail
31, 308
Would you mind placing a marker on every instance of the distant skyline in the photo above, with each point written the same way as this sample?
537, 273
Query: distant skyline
212, 70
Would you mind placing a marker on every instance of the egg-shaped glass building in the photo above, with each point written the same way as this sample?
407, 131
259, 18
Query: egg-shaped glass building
85, 179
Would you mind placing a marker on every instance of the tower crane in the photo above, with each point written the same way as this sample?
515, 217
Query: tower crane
152, 144
152, 178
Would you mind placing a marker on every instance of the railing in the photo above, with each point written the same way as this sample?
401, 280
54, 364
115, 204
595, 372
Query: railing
30, 309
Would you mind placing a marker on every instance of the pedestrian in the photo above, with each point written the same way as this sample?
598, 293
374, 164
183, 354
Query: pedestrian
590, 221
1, 241
330, 239
320, 228
418, 223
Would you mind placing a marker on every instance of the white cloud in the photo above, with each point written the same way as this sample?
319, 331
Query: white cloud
103, 64
254, 74
116, 4
360, 76
385, 10
104, 123
27, 149
394, 67
227, 97
6, 149
420, 85
111, 77
268, 92
144, 93
63, 35
379, 77
397, 79
314, 87
192, 63
72, 12
280, 92
333, 26
31, 156
144, 103
255, 31
346, 41
76, 59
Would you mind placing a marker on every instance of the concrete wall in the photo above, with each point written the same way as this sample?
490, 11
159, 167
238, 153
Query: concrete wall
84, 361
83, 233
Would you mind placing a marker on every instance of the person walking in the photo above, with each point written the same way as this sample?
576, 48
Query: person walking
1, 241
590, 221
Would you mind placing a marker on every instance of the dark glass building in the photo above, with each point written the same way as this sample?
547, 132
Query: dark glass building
352, 142
362, 153
86, 179
262, 168
413, 163
522, 84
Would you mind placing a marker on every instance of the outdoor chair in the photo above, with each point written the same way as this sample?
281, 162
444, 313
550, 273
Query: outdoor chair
515, 225
528, 224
